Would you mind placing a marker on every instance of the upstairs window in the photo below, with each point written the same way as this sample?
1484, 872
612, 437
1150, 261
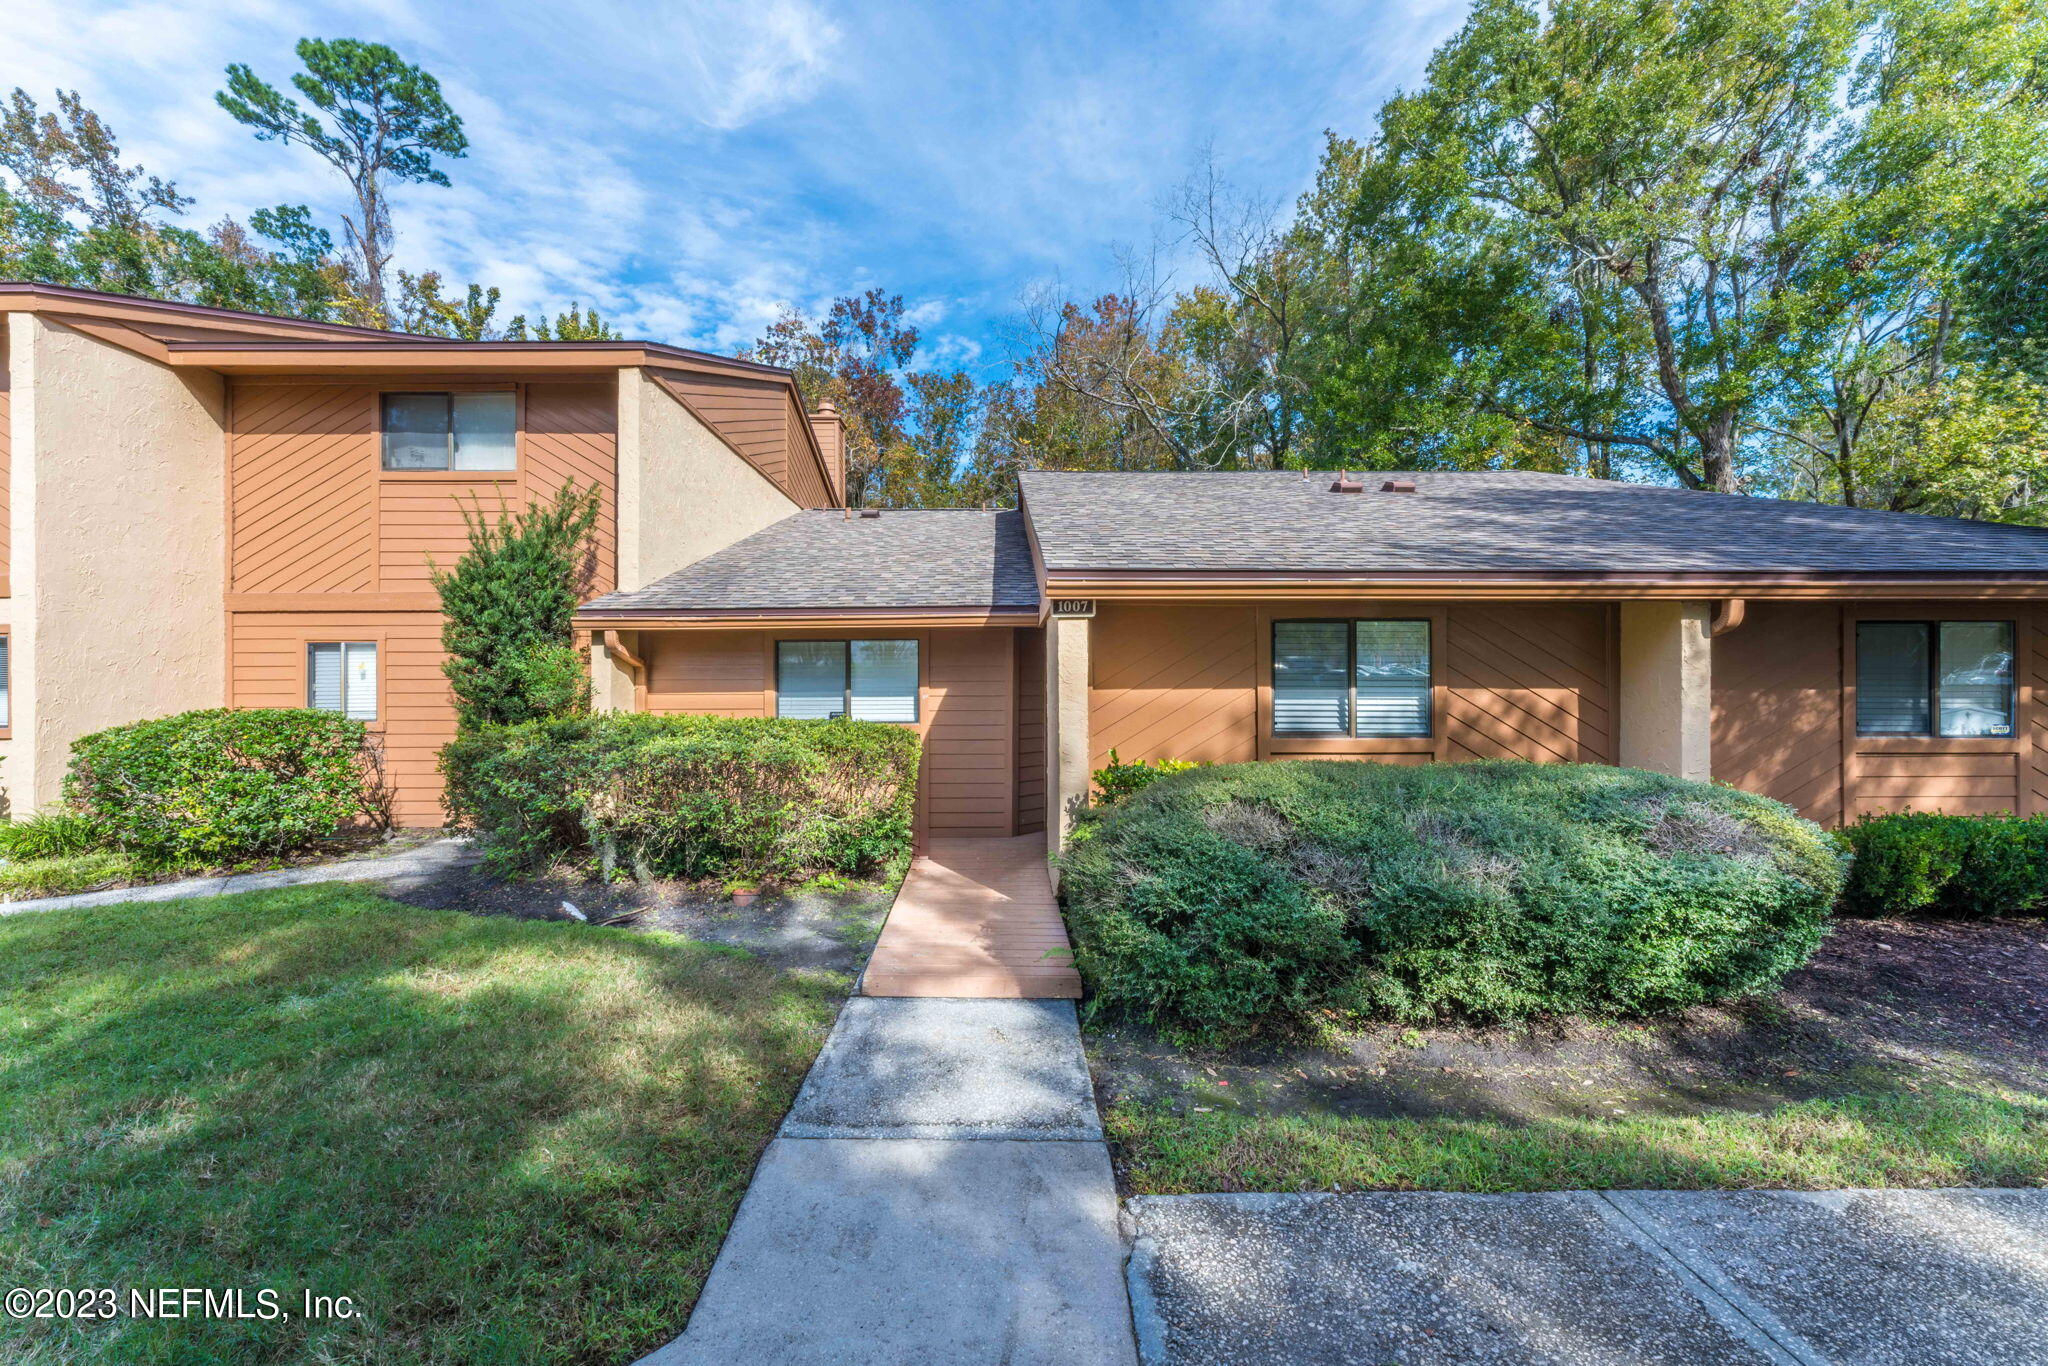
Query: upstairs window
451, 431
342, 676
867, 680
1948, 678
1353, 678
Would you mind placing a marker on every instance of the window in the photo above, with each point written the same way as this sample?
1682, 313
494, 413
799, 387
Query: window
343, 677
1946, 678
451, 431
1363, 678
6, 677
868, 680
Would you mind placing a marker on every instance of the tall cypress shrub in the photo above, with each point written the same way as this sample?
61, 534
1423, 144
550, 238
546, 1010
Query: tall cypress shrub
509, 604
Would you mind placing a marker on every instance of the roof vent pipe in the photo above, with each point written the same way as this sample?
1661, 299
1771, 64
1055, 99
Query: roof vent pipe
1346, 484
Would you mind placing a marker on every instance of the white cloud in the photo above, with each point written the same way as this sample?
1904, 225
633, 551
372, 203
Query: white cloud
696, 166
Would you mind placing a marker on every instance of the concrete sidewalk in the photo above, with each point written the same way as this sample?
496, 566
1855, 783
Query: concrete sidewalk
1588, 1278
940, 1194
426, 861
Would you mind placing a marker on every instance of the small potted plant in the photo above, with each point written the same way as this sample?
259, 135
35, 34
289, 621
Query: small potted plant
743, 893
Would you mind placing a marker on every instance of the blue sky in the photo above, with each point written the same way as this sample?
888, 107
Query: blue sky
692, 168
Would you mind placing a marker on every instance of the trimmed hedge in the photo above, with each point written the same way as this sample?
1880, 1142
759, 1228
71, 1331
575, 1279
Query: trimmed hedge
218, 786
688, 796
1913, 863
1246, 897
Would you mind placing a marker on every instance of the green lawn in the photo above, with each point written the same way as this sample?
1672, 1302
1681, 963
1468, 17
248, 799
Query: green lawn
1940, 1135
504, 1141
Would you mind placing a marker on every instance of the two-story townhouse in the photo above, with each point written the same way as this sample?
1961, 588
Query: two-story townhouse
208, 508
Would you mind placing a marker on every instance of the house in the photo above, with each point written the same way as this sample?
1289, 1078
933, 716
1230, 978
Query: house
205, 508
1843, 661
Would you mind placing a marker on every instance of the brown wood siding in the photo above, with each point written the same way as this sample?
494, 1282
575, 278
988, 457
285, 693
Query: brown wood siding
761, 421
1174, 683
1031, 752
1531, 681
302, 470
966, 708
1777, 701
267, 668
311, 511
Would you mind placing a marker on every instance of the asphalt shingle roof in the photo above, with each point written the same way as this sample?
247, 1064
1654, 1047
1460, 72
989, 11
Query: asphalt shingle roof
908, 559
1485, 523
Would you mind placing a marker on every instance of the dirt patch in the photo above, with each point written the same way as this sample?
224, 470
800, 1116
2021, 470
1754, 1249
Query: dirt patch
1884, 1002
830, 930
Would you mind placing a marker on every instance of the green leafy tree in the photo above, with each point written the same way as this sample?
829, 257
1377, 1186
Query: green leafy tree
1745, 176
509, 604
385, 121
424, 310
74, 212
574, 325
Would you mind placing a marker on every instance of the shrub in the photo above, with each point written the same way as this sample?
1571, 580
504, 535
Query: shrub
1244, 897
210, 787
688, 796
1915, 863
1118, 780
55, 832
508, 605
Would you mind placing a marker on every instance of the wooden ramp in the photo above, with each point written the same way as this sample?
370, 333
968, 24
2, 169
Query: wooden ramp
975, 917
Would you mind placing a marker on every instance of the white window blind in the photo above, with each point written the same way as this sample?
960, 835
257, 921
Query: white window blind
884, 680
486, 431
342, 676
1393, 677
869, 680
6, 677
1892, 677
1311, 683
1976, 678
810, 679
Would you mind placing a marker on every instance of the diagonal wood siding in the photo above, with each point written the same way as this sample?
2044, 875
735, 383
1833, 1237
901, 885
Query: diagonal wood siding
1777, 699
302, 462
1174, 682
1528, 681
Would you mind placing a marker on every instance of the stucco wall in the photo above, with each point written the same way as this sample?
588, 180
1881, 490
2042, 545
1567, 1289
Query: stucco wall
683, 493
119, 561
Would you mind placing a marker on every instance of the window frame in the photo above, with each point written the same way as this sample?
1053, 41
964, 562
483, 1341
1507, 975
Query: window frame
846, 644
1934, 731
448, 471
6, 682
1350, 624
376, 646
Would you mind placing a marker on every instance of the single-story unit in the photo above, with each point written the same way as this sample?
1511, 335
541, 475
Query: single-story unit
1840, 660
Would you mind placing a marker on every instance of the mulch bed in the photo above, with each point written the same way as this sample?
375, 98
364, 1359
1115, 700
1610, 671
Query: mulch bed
1897, 1001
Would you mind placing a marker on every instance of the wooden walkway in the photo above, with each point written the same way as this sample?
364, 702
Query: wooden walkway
975, 917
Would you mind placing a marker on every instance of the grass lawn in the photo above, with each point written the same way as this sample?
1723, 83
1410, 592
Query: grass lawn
1907, 1054
1945, 1136
504, 1141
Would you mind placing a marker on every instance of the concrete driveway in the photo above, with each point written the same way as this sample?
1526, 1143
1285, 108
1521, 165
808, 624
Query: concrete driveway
1584, 1278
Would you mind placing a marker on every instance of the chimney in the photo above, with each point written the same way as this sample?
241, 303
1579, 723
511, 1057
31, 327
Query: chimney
829, 429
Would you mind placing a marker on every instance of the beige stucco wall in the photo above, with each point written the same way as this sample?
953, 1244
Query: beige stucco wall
1666, 688
683, 493
119, 562
1067, 775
